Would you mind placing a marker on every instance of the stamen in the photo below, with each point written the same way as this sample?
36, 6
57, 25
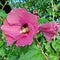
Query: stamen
24, 30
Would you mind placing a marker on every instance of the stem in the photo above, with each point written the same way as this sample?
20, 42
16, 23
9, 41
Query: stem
4, 5
41, 49
52, 9
53, 12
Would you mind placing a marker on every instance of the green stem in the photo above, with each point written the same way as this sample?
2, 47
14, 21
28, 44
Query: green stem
41, 49
52, 9
52, 2
4, 5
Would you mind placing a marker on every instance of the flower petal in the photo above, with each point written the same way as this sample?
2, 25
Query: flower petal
32, 30
15, 16
5, 22
26, 40
48, 36
10, 40
11, 30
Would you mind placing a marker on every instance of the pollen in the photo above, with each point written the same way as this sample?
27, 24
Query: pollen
24, 30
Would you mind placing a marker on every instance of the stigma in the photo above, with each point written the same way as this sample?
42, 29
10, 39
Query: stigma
24, 30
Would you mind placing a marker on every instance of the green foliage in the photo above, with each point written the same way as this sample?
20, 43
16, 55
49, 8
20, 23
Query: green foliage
51, 52
33, 54
56, 45
2, 52
3, 14
0, 22
43, 20
12, 58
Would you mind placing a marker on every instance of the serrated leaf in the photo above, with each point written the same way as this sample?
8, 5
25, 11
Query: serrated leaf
33, 54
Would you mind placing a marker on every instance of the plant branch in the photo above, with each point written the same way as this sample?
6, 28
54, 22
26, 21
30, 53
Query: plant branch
41, 49
52, 9
52, 2
4, 5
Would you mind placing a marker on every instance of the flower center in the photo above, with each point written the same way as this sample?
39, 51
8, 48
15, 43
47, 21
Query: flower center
24, 29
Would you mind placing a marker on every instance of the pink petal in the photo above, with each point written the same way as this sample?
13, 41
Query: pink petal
49, 36
9, 40
6, 22
11, 30
26, 40
32, 31
15, 16
58, 24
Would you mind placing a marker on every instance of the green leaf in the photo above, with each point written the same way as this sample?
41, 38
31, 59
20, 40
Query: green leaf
42, 20
50, 52
2, 13
1, 43
54, 57
33, 54
1, 22
49, 11
0, 34
39, 35
2, 52
48, 48
1, 4
12, 58
59, 5
56, 45
58, 37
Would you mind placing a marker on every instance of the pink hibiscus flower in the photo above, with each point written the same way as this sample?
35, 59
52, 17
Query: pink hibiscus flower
20, 26
49, 29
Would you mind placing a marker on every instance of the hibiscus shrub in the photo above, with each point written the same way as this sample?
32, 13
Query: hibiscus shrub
30, 30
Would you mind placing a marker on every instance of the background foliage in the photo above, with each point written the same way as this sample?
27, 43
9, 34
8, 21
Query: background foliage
48, 10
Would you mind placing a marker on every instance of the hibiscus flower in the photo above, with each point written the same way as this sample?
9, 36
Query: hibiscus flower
49, 29
20, 26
